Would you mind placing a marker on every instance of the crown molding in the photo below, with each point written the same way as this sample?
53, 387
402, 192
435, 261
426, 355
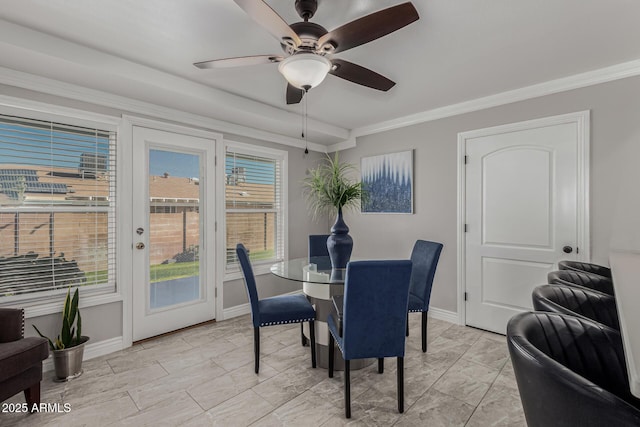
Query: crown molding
590, 78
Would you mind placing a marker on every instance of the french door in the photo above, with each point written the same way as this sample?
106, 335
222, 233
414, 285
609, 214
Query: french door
173, 221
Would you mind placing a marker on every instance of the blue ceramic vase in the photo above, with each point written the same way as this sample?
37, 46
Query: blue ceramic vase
339, 243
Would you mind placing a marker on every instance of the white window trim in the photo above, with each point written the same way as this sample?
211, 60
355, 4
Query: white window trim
53, 302
256, 150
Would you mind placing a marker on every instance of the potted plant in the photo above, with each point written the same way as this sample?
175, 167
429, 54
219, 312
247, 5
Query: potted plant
68, 347
329, 189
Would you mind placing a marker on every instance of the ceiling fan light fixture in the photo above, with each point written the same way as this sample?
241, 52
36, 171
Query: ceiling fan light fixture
305, 70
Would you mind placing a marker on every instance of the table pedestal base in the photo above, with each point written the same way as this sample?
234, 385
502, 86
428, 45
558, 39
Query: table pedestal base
322, 358
320, 296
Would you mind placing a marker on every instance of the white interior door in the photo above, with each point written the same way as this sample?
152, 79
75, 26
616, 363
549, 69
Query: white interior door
522, 198
173, 221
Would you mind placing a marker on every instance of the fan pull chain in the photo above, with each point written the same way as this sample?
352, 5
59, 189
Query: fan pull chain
305, 125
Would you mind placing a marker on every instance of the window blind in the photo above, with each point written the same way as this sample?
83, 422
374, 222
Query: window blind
57, 206
254, 211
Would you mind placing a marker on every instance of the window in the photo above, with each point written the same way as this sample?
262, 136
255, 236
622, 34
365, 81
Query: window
255, 203
57, 207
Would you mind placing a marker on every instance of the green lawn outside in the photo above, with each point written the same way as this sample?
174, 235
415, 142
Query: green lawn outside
162, 272
159, 272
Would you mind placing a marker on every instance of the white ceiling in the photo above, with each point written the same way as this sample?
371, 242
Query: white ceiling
459, 50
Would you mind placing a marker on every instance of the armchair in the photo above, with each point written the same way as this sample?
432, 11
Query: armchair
570, 372
20, 358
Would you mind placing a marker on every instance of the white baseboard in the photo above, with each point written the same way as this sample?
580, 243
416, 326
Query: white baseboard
446, 315
235, 311
92, 350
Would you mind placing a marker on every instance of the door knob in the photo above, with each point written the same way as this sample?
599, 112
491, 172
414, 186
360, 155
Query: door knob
139, 245
567, 249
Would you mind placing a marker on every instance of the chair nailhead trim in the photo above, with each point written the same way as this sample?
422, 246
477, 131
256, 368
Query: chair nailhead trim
337, 342
282, 322
22, 328
416, 311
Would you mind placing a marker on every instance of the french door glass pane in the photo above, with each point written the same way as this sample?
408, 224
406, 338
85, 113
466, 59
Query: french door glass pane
174, 228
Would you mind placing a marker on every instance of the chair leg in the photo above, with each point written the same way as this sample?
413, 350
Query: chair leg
302, 337
424, 331
347, 388
331, 355
381, 365
256, 347
407, 324
312, 336
32, 395
400, 384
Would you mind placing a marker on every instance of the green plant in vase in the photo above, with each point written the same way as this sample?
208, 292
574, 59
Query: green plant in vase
329, 188
68, 346
71, 335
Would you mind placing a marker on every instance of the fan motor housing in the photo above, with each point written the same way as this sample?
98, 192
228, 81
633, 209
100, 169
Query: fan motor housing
309, 33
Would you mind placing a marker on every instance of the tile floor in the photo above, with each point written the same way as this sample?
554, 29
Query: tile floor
204, 376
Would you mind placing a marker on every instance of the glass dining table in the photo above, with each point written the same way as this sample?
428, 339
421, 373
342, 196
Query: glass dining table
320, 283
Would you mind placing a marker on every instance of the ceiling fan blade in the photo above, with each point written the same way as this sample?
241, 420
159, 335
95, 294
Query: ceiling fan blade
240, 61
369, 28
262, 13
294, 95
360, 75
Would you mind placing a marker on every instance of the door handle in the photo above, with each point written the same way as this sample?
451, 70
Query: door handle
567, 249
139, 245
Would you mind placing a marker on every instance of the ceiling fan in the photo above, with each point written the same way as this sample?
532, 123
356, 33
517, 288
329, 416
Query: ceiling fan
308, 45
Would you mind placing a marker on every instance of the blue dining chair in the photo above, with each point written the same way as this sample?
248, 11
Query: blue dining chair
425, 256
374, 316
276, 310
318, 252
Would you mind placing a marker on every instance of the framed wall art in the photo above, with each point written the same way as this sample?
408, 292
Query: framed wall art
388, 180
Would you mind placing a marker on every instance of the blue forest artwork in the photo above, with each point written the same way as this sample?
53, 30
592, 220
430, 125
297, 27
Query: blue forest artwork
388, 180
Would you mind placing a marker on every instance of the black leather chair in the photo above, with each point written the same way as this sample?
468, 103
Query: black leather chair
570, 372
579, 302
582, 279
587, 267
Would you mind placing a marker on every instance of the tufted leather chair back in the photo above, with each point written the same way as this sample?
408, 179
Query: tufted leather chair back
600, 270
580, 278
570, 372
578, 302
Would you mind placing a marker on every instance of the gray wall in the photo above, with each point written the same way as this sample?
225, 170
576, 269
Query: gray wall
615, 150
99, 323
